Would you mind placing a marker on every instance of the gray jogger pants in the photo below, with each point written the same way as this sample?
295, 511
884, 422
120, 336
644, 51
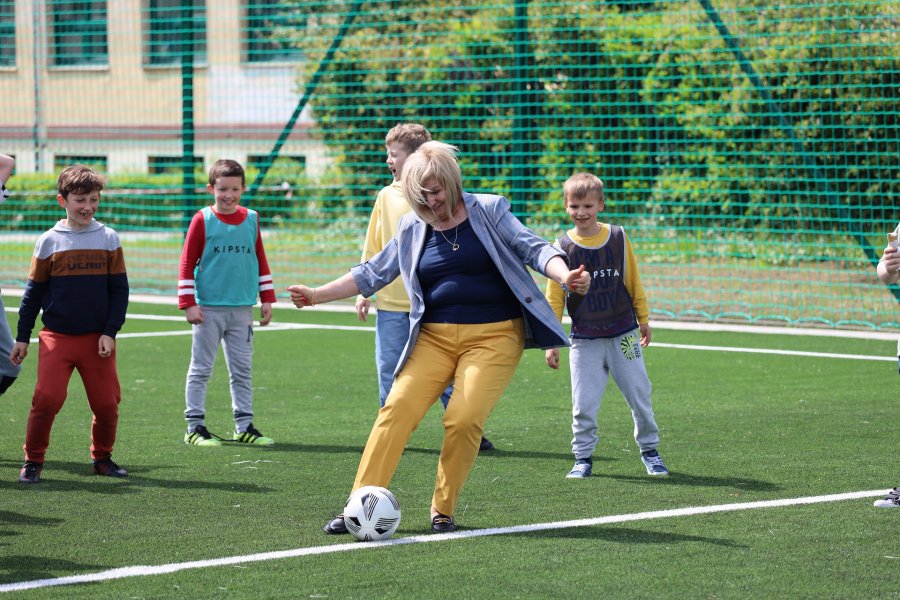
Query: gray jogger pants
591, 362
233, 327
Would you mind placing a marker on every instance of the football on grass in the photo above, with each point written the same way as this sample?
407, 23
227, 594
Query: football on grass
372, 513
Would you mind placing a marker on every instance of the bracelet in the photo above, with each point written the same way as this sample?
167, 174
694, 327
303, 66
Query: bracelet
312, 301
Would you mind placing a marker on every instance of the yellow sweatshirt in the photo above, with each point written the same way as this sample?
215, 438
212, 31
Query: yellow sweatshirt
390, 205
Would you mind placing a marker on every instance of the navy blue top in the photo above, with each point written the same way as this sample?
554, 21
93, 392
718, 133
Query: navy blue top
462, 286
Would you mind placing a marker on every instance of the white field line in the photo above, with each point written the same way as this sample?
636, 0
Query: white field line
666, 324
291, 326
145, 571
772, 351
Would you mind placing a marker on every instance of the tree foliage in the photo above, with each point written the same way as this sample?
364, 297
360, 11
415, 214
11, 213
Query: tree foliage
649, 95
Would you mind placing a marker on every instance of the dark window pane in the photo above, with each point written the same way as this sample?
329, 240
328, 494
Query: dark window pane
157, 165
98, 163
7, 33
78, 33
170, 29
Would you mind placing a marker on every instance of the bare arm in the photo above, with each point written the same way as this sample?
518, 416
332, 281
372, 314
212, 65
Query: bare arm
6, 168
578, 280
342, 287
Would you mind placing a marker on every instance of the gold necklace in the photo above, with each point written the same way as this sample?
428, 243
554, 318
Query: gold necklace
453, 244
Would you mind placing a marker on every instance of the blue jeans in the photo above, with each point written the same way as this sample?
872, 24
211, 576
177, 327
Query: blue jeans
391, 333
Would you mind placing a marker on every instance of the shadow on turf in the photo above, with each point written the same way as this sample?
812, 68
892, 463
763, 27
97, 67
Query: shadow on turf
675, 478
497, 452
90, 482
28, 568
630, 536
23, 520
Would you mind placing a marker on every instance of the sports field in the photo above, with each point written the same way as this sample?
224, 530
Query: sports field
778, 444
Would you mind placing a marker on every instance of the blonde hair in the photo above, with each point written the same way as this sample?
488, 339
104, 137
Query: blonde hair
437, 160
411, 135
78, 179
580, 185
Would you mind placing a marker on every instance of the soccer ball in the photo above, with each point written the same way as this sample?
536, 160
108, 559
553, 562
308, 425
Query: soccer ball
372, 513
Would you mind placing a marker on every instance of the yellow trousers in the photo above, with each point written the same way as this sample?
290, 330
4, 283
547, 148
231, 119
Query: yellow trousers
480, 361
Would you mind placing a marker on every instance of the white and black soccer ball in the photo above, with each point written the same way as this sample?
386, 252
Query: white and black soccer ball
372, 513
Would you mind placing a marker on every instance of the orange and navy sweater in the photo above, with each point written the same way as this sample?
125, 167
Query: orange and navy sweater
78, 279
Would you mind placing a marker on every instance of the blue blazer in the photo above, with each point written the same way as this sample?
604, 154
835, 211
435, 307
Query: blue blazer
510, 245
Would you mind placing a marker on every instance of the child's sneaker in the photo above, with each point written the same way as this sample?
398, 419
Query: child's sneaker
31, 472
892, 500
108, 468
200, 436
252, 436
583, 468
654, 463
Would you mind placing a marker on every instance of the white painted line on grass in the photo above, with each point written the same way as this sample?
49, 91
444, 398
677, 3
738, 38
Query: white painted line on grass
297, 326
144, 571
771, 351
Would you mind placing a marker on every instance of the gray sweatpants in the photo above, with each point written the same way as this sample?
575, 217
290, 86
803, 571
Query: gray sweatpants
591, 362
233, 327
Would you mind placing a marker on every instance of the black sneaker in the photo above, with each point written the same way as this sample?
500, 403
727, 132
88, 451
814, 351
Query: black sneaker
486, 445
108, 468
31, 472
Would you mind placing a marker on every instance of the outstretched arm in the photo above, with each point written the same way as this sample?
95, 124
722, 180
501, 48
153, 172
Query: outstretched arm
342, 287
579, 280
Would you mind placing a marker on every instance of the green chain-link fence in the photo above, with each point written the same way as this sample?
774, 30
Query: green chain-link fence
750, 148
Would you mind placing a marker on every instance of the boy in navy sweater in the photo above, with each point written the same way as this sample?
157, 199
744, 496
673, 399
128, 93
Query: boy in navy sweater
78, 279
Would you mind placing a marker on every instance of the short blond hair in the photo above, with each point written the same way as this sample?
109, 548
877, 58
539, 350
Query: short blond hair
411, 135
78, 179
580, 185
432, 159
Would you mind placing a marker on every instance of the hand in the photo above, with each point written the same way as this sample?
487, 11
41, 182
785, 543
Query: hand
105, 346
362, 308
888, 268
891, 258
19, 352
578, 281
301, 295
645, 334
552, 356
194, 315
265, 314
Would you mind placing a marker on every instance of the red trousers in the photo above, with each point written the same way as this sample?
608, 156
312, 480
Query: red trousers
58, 355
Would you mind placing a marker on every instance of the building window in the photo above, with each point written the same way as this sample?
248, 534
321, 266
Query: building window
169, 28
98, 163
271, 28
7, 33
78, 33
285, 168
158, 165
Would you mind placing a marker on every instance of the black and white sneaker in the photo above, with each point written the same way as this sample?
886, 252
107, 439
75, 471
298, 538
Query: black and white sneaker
892, 500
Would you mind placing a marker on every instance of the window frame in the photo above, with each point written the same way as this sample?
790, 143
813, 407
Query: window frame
162, 48
68, 39
7, 33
